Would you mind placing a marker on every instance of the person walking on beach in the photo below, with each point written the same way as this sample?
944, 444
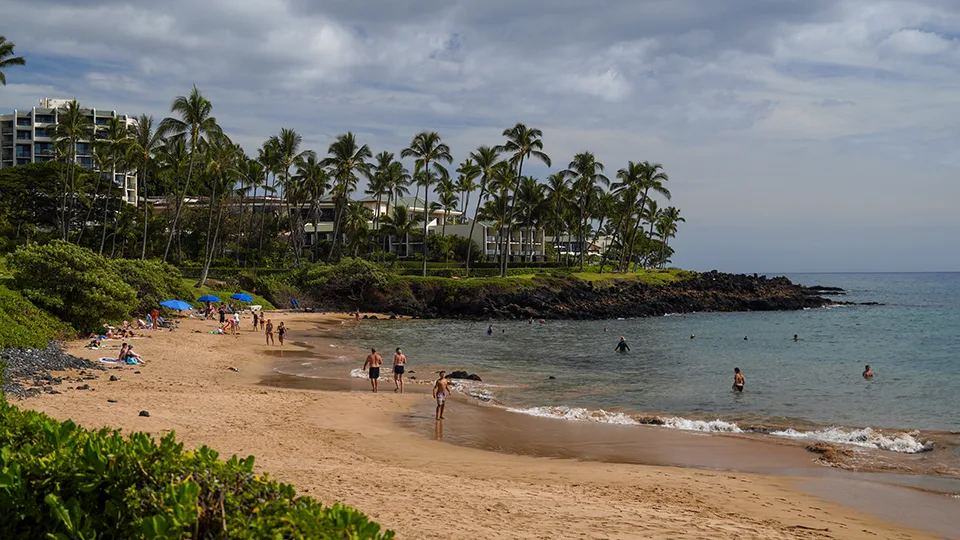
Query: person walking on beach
236, 323
738, 380
622, 347
256, 321
223, 314
155, 315
281, 331
374, 360
399, 366
867, 372
268, 332
441, 389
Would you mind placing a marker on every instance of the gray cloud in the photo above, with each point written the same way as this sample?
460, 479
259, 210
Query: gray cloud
748, 103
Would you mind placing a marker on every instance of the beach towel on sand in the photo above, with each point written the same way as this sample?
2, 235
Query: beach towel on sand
110, 360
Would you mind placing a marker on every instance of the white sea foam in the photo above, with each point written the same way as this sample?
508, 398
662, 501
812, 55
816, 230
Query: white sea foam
578, 414
712, 426
906, 443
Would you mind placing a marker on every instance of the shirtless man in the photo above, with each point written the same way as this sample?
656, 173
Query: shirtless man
374, 360
738, 380
440, 392
867, 372
399, 365
268, 331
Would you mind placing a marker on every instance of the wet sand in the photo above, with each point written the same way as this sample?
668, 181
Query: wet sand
379, 453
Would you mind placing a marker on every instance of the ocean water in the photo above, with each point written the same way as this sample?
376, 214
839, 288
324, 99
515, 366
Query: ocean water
811, 388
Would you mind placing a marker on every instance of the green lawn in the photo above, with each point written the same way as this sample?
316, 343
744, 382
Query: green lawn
650, 277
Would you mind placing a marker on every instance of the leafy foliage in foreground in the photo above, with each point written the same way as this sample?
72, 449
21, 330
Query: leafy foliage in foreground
58, 480
23, 324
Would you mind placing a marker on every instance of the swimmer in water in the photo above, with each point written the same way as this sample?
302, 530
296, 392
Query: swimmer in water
692, 336
795, 338
738, 380
867, 372
622, 347
490, 330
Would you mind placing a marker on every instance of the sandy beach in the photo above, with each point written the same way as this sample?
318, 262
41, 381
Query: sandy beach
347, 445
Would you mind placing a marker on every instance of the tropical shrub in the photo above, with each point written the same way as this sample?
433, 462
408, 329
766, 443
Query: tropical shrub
23, 324
153, 281
73, 283
58, 480
350, 279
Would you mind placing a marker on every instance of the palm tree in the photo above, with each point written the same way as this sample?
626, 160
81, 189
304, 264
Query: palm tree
559, 200
628, 187
531, 205
651, 179
116, 140
400, 224
587, 175
428, 149
667, 229
73, 126
522, 143
145, 143
345, 160
356, 226
286, 146
380, 185
468, 172
447, 197
486, 159
221, 172
7, 58
314, 183
194, 124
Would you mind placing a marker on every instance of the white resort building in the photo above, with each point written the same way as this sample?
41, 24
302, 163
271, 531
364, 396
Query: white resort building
25, 137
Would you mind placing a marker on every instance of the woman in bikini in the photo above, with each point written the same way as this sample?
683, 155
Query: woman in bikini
281, 331
268, 331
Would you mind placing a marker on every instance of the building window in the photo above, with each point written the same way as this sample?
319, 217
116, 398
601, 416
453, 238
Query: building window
86, 162
83, 148
43, 149
44, 119
41, 132
24, 122
23, 136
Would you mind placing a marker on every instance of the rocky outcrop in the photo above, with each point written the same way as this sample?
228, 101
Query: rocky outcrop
26, 372
552, 298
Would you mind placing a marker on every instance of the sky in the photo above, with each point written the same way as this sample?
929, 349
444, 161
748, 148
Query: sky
798, 135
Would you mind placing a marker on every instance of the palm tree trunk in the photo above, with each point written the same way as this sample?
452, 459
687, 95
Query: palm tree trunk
90, 213
208, 259
476, 213
636, 227
426, 210
143, 250
513, 209
106, 206
181, 201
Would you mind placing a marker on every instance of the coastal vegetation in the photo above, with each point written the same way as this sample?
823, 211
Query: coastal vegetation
7, 58
204, 200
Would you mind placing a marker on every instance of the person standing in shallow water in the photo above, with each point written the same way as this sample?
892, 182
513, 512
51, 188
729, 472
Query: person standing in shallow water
374, 360
622, 347
738, 380
441, 389
867, 372
399, 366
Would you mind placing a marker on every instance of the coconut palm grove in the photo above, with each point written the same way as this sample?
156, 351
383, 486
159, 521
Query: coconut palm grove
204, 201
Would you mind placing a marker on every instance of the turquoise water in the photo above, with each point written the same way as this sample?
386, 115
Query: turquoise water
912, 343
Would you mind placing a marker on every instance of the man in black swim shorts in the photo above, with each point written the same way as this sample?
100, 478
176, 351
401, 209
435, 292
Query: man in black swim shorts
738, 380
374, 360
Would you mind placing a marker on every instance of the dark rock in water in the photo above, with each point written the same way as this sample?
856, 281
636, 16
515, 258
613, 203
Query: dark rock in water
464, 375
392, 317
114, 378
374, 317
551, 378
144, 413
112, 401
871, 304
26, 366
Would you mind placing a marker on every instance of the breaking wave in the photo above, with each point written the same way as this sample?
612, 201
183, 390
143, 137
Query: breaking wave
906, 443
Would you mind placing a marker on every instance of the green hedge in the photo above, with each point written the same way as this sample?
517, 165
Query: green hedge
23, 324
58, 480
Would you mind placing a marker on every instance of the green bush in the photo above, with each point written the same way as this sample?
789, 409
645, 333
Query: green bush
23, 324
350, 279
73, 283
58, 480
153, 281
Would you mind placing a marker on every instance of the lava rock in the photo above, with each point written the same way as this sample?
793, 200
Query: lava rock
145, 413
114, 378
25, 365
112, 401
83, 387
551, 377
464, 375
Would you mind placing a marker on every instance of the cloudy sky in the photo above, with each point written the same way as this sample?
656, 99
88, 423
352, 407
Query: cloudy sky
799, 135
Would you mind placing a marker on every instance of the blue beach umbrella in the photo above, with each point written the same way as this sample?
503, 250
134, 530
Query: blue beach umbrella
243, 297
178, 305
208, 298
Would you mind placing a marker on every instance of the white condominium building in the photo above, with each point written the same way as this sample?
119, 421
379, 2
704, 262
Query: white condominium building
25, 137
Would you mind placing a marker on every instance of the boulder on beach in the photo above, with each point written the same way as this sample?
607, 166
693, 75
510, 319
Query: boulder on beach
464, 375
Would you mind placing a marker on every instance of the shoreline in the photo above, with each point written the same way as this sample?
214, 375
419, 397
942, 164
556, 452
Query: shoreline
350, 447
